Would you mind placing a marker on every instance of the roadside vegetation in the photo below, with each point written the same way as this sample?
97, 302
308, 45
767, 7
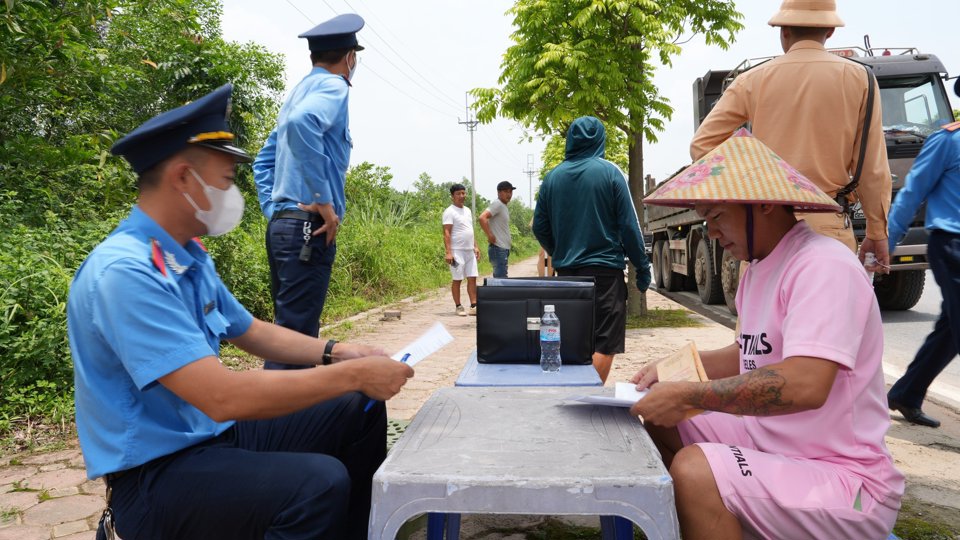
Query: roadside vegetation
76, 76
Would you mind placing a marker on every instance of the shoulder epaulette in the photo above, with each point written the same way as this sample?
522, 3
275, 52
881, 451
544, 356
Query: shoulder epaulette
952, 127
156, 254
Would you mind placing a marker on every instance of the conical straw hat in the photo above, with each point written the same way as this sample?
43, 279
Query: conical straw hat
742, 170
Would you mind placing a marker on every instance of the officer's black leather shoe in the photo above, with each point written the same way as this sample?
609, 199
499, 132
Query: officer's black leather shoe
913, 415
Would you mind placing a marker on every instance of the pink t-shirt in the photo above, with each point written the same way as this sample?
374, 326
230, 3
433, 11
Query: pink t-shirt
811, 297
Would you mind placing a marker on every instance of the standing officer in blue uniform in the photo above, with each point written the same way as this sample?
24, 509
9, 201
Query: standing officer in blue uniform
189, 448
935, 178
301, 174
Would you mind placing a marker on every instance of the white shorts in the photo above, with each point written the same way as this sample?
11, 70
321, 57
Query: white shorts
465, 264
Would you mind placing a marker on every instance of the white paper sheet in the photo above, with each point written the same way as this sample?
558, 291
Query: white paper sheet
428, 343
625, 395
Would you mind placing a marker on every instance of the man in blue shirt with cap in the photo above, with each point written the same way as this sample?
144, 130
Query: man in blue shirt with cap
935, 178
301, 174
188, 447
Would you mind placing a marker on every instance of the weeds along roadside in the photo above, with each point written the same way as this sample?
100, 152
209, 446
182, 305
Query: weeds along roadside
388, 248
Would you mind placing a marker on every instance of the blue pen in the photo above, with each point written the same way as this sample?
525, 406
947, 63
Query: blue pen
406, 357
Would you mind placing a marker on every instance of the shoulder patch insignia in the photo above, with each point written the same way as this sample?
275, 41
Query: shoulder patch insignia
157, 256
952, 127
173, 263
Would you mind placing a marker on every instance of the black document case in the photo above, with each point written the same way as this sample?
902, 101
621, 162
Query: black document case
504, 305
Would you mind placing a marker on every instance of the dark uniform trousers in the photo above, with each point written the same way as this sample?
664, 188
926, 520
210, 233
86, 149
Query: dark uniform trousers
299, 287
942, 345
305, 475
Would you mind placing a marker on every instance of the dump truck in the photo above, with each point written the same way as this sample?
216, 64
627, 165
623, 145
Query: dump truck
915, 104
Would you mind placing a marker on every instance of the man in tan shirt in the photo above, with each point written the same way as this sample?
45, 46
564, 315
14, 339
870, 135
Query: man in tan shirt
809, 107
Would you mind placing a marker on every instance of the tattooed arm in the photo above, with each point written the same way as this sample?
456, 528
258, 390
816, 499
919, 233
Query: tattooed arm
797, 384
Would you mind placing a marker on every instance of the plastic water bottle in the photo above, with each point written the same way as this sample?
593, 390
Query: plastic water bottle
549, 340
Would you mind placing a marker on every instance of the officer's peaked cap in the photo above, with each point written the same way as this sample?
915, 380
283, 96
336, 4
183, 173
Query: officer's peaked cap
199, 123
339, 32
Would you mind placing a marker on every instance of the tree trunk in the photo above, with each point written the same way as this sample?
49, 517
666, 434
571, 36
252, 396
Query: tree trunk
636, 301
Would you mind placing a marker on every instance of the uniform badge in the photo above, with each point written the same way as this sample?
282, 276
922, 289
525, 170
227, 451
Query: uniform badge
173, 264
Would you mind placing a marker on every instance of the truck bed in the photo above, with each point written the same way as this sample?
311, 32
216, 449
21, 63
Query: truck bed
660, 217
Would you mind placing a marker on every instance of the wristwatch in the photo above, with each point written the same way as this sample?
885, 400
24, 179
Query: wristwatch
328, 352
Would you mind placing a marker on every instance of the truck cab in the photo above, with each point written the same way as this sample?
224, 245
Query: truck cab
914, 105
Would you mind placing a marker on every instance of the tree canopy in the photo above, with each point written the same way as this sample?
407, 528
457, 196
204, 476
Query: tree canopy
572, 58
75, 75
577, 57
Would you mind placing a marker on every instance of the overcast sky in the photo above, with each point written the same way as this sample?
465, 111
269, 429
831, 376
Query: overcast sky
423, 55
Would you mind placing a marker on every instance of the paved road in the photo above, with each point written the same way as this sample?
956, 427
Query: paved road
903, 331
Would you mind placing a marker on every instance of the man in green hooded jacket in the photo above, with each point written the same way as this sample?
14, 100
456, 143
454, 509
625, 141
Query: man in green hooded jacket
585, 219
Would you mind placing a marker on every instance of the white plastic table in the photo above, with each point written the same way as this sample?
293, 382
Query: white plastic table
522, 450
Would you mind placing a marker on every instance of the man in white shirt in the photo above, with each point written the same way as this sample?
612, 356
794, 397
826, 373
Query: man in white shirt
462, 252
495, 222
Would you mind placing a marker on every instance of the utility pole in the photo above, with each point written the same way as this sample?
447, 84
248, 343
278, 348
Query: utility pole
471, 127
530, 172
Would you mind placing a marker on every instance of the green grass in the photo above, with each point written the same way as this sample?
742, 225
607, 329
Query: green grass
8, 515
925, 522
663, 318
19, 487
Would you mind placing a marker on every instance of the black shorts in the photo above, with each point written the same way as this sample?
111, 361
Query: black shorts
610, 307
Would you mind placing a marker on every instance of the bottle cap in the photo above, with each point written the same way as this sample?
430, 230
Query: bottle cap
548, 308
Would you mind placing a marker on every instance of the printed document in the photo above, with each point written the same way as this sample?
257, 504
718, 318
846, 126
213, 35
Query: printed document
428, 343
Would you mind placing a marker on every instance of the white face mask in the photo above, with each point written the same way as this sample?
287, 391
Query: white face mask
353, 71
226, 207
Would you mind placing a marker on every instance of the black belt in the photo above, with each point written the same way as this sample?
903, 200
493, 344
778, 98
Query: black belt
298, 214
114, 476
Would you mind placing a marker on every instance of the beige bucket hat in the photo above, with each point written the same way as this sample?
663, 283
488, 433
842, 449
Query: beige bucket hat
742, 170
814, 13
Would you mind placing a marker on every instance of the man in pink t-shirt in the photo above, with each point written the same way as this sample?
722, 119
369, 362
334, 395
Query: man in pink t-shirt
795, 447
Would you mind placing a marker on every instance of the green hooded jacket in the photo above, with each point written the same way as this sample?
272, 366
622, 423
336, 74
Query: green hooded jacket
585, 214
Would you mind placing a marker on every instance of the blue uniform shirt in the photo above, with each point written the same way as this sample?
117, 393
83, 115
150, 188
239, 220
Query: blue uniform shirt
934, 177
305, 158
140, 307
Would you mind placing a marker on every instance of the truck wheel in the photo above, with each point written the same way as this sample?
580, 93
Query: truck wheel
655, 256
730, 280
708, 280
672, 281
899, 291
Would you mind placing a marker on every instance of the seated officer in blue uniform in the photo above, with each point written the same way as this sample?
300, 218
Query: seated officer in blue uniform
934, 178
301, 176
189, 448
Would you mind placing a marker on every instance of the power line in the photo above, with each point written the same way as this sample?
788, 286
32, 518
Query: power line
398, 89
401, 57
382, 24
510, 150
395, 66
371, 70
305, 16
